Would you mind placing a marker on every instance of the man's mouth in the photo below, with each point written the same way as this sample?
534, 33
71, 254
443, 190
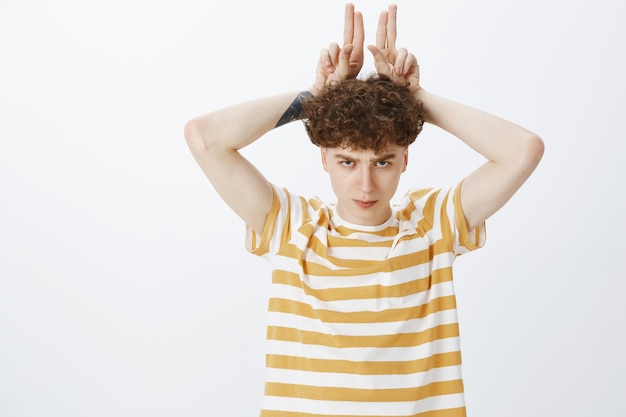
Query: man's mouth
365, 204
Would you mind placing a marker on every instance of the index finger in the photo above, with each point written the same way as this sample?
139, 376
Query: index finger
391, 26
381, 31
358, 37
348, 24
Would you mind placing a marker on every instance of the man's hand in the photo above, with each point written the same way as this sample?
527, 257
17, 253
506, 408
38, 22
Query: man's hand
398, 65
337, 64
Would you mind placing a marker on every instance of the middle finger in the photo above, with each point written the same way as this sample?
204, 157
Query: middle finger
381, 31
391, 26
348, 24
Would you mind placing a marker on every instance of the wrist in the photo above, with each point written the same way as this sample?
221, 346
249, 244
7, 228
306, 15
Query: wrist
423, 97
294, 111
419, 94
314, 89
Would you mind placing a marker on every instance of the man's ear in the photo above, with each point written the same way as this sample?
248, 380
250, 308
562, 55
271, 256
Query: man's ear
405, 158
324, 161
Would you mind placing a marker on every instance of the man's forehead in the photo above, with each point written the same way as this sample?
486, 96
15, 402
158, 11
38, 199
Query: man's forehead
391, 149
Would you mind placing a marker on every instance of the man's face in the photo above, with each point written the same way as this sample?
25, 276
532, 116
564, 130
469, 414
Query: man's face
365, 181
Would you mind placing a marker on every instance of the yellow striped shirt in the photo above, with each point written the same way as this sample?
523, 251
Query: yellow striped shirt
362, 319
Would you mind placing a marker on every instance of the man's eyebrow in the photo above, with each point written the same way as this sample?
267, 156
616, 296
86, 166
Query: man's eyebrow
382, 157
343, 156
386, 157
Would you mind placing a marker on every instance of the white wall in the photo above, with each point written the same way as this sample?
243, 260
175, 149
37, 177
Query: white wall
123, 277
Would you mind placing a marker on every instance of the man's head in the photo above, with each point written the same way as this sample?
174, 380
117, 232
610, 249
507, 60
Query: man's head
364, 128
368, 114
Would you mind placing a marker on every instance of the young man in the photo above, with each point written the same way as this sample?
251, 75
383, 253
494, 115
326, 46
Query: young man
362, 312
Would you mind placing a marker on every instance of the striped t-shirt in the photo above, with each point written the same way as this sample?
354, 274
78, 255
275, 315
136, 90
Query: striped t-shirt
362, 319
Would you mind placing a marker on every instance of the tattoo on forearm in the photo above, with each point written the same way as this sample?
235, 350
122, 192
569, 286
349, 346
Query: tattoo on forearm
294, 111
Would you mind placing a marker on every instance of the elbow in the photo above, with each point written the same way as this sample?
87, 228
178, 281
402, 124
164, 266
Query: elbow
195, 135
204, 134
534, 149
528, 154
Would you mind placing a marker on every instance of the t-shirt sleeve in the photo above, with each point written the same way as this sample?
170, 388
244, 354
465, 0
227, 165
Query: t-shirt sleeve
466, 240
438, 215
259, 244
284, 211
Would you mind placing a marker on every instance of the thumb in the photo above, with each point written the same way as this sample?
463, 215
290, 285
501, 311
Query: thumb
343, 66
380, 61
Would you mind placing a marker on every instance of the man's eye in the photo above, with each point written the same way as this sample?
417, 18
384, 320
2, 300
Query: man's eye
382, 163
347, 163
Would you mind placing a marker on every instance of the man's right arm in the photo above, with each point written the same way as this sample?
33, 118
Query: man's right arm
215, 140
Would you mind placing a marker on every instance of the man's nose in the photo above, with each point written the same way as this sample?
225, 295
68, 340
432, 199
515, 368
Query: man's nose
366, 181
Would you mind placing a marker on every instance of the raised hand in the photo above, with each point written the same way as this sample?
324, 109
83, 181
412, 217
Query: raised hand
340, 63
396, 64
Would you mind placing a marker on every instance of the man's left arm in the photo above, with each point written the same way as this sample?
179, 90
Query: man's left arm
512, 154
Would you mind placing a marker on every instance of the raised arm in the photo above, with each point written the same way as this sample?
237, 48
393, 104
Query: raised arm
512, 152
216, 138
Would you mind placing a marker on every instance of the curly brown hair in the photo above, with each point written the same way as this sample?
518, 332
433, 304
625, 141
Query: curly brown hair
364, 114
